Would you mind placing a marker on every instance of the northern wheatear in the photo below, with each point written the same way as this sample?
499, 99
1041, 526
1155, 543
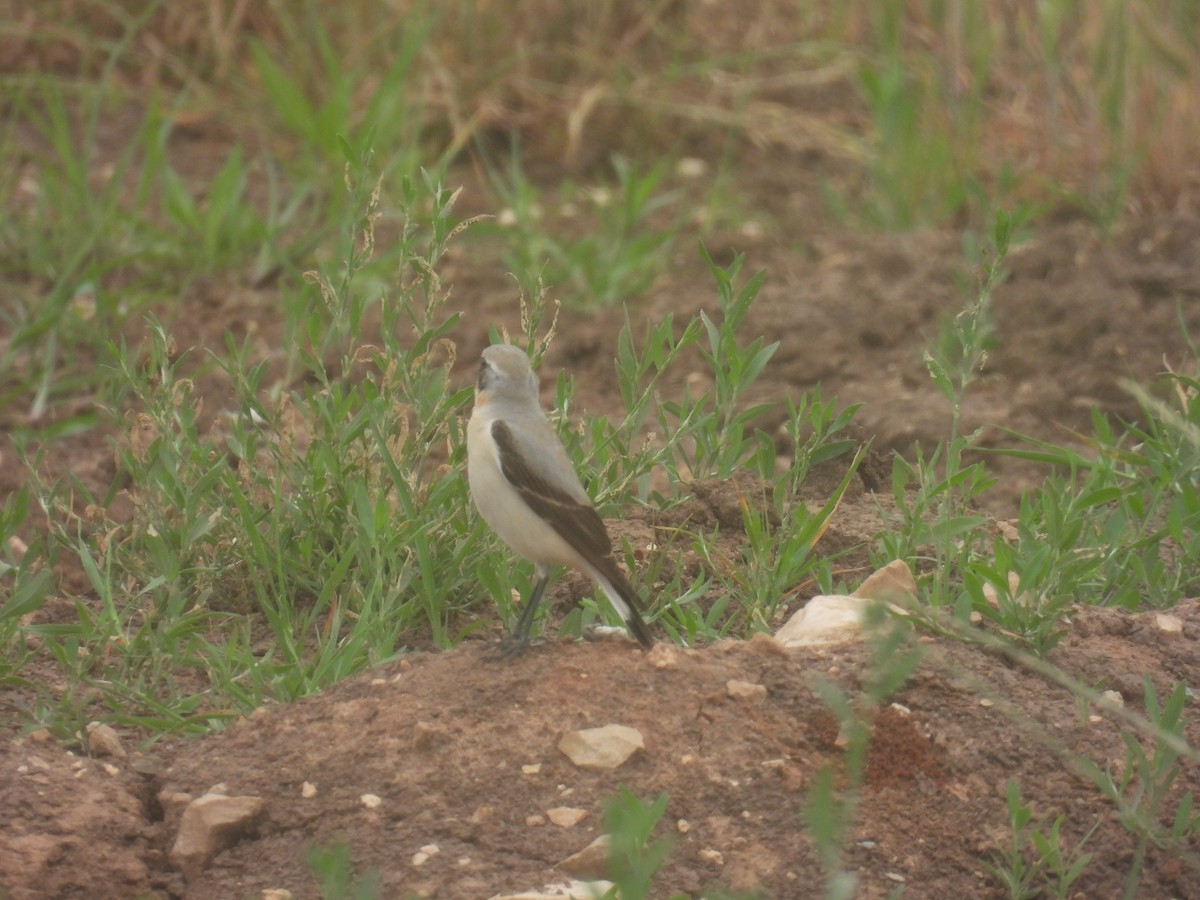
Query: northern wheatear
526, 489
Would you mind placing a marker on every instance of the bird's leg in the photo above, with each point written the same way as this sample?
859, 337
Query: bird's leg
518, 640
524, 626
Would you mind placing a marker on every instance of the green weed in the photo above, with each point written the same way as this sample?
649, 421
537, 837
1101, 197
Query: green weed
337, 876
934, 495
618, 256
1118, 525
332, 514
1140, 790
24, 582
1035, 861
633, 858
717, 424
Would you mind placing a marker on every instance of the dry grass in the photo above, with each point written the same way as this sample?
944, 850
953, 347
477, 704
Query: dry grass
1077, 100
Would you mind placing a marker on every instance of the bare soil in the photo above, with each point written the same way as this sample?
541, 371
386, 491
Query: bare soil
462, 753
442, 739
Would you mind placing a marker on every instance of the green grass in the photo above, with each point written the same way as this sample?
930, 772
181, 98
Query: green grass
318, 523
625, 245
1035, 863
1141, 792
337, 877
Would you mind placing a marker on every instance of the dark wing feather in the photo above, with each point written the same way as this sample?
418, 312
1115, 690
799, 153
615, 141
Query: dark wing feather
578, 523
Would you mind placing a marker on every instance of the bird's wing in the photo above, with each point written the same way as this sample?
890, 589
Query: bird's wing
577, 522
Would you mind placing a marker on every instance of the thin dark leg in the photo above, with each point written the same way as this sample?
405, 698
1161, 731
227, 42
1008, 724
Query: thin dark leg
518, 640
524, 626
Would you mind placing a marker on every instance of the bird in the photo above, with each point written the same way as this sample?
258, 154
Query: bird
525, 487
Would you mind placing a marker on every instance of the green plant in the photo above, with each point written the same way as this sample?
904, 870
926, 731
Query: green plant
936, 523
617, 450
777, 556
338, 878
633, 859
682, 615
1034, 859
614, 263
1118, 525
716, 424
338, 105
939, 144
23, 582
1017, 592
935, 495
104, 245
1141, 789
914, 170
1062, 868
224, 228
334, 514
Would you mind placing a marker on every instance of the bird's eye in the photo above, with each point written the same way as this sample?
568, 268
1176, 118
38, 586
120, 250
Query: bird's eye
484, 372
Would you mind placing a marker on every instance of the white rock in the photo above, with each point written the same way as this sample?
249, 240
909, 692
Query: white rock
825, 619
838, 618
746, 691
894, 583
370, 801
209, 825
591, 861
103, 741
1168, 624
663, 655
597, 749
422, 856
571, 890
566, 816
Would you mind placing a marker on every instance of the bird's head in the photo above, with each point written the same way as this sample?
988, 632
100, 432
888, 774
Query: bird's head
505, 370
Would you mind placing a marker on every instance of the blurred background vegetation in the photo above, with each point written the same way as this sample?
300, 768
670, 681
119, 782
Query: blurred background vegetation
911, 112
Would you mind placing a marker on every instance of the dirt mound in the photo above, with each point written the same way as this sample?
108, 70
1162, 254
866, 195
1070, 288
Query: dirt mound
461, 754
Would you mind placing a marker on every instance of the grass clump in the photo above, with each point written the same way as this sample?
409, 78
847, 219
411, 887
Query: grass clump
328, 518
1141, 790
1113, 527
615, 260
1035, 862
319, 523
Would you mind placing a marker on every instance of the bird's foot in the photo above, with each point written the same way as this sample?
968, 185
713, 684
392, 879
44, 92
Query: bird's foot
509, 648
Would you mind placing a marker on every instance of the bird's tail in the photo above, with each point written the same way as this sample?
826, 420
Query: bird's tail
621, 595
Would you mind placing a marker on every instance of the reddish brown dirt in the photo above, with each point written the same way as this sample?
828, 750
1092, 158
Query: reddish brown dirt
443, 739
